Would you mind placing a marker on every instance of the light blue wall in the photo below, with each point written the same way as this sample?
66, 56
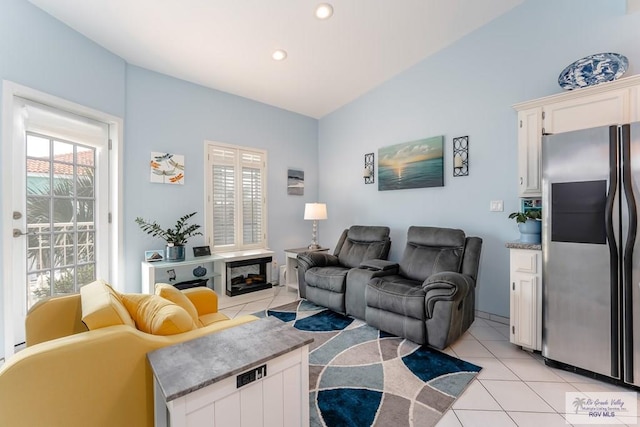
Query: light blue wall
466, 89
38, 51
160, 114
166, 114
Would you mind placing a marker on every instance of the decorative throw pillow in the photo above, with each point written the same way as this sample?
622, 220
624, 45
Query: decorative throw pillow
102, 306
156, 315
174, 295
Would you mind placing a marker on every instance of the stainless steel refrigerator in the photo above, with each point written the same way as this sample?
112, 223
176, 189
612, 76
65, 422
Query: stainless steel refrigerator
591, 255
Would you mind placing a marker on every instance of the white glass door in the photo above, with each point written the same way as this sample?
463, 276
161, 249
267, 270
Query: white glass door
60, 213
60, 206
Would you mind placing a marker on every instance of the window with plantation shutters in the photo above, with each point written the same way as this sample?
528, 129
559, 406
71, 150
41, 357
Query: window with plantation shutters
236, 197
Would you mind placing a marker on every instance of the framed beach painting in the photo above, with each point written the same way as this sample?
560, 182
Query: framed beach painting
414, 164
295, 182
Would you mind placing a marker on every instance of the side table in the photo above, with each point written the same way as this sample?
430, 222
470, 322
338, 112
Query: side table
256, 374
291, 272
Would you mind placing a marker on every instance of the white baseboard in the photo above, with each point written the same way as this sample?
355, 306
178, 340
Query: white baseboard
493, 317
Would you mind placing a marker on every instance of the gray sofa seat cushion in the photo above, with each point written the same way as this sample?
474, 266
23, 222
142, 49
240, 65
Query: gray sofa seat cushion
397, 294
432, 250
330, 278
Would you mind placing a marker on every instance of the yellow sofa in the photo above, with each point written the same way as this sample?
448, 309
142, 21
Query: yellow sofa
72, 376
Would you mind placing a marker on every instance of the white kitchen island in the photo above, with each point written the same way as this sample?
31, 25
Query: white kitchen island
256, 374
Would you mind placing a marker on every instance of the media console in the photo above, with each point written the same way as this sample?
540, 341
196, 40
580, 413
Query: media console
237, 277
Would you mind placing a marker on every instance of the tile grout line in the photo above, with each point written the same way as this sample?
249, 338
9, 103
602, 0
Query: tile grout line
519, 380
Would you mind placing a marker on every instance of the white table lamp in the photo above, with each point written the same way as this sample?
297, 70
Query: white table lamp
315, 212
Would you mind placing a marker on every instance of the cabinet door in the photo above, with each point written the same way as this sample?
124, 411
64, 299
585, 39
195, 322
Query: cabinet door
525, 298
609, 108
529, 162
634, 101
524, 307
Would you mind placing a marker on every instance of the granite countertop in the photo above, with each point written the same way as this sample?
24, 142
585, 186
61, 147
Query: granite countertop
189, 366
522, 245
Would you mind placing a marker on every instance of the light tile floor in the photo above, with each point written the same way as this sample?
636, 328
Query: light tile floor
514, 388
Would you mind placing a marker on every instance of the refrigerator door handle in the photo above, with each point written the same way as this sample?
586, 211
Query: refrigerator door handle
613, 249
627, 262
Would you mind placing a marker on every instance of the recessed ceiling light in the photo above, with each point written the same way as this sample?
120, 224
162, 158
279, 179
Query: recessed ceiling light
279, 55
324, 11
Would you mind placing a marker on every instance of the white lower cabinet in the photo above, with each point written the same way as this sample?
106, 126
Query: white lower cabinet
526, 298
279, 399
251, 375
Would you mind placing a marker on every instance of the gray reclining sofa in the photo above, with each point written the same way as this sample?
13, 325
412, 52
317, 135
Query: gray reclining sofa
428, 297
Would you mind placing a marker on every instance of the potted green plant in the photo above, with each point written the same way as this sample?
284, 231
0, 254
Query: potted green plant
175, 237
529, 225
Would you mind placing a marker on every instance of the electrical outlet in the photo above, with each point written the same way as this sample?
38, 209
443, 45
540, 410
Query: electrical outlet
251, 376
496, 206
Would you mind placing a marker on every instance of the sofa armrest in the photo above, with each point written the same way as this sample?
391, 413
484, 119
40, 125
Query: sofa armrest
105, 371
54, 318
446, 286
204, 299
380, 265
307, 260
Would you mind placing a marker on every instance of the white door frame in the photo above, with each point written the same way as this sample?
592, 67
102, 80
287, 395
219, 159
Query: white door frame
116, 257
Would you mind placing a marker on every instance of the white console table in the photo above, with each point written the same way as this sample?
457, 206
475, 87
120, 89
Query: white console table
256, 374
291, 272
161, 272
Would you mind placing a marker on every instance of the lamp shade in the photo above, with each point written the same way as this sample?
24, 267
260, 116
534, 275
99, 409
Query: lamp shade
315, 211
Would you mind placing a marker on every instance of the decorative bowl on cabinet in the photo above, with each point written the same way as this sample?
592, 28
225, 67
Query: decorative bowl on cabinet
592, 70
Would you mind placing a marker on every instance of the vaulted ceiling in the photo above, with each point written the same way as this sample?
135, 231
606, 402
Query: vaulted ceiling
228, 44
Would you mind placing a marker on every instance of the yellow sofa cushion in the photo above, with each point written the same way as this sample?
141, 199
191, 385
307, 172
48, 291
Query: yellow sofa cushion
155, 315
102, 307
174, 295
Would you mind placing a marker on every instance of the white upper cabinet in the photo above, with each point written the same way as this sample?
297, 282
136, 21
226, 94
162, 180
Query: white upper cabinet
612, 103
602, 109
529, 161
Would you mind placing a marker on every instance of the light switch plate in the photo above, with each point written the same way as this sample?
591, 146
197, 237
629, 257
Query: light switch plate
496, 206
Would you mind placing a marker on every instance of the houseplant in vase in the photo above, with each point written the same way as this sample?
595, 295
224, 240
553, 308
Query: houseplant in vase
175, 237
529, 225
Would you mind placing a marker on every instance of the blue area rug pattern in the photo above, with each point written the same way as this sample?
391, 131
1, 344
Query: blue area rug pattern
361, 377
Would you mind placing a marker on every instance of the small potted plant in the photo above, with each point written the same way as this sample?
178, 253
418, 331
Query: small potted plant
175, 237
529, 225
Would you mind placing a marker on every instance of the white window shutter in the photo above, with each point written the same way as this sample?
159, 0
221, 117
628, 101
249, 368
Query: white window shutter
224, 205
238, 195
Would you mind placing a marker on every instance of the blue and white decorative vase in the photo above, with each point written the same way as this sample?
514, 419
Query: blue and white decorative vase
199, 271
530, 231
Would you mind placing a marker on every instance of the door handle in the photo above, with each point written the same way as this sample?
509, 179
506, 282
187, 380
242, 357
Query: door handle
17, 233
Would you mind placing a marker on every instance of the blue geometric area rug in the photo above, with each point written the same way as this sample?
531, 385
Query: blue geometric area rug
360, 376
